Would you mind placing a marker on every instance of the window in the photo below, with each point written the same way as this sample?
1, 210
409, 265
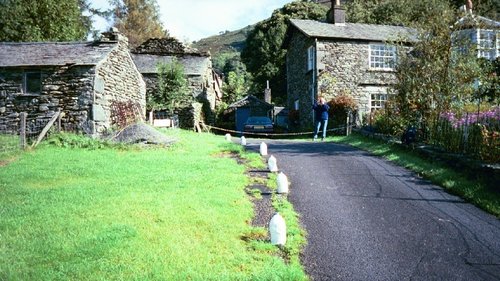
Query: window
296, 105
487, 44
382, 56
378, 100
377, 96
32, 83
310, 58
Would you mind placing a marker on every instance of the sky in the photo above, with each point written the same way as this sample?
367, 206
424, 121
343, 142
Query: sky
191, 20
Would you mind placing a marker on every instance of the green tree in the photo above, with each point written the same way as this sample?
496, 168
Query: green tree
435, 77
263, 54
44, 20
393, 12
173, 92
235, 87
410, 12
139, 20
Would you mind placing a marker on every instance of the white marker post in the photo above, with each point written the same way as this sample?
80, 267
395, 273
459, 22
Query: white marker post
271, 164
263, 149
228, 137
243, 141
282, 182
277, 228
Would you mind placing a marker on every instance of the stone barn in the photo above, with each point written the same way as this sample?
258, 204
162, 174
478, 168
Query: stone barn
203, 81
96, 84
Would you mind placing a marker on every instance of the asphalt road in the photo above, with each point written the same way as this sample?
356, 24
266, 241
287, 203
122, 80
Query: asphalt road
367, 219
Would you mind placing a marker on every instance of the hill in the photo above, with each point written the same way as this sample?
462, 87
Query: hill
225, 42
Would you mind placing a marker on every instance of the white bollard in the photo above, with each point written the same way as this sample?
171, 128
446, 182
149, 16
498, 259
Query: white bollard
282, 181
277, 228
243, 141
271, 164
228, 137
263, 149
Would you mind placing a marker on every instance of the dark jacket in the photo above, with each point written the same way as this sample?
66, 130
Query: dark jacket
321, 111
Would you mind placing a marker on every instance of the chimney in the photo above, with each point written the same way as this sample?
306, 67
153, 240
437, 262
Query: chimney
113, 35
468, 6
267, 93
336, 15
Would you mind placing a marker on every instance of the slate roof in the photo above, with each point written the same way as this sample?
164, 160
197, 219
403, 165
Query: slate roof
354, 31
53, 54
193, 65
248, 101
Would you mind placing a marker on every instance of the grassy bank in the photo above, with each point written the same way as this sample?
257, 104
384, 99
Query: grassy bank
108, 213
456, 182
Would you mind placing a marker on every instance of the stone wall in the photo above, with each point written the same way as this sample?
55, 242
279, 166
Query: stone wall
300, 80
120, 91
347, 61
68, 89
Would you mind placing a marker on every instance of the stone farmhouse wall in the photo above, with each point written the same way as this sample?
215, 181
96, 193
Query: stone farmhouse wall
120, 91
94, 98
347, 62
68, 89
300, 80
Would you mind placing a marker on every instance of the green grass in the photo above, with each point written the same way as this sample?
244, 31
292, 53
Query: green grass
9, 147
456, 182
120, 213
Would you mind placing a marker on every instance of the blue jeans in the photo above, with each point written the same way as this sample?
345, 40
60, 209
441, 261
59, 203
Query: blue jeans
319, 124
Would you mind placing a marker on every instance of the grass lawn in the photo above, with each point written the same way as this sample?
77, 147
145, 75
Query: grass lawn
110, 213
474, 191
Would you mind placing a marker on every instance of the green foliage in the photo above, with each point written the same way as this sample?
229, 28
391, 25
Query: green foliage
388, 121
234, 88
139, 20
44, 20
69, 140
434, 77
340, 106
395, 12
490, 81
173, 91
264, 55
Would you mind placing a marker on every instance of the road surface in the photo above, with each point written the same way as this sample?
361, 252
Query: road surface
368, 219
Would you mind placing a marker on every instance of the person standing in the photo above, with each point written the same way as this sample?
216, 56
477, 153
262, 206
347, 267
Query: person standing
321, 117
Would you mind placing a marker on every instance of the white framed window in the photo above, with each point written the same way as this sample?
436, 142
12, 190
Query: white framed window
487, 43
377, 96
310, 58
382, 56
378, 100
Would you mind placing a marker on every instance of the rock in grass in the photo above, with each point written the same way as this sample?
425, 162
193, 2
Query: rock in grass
142, 133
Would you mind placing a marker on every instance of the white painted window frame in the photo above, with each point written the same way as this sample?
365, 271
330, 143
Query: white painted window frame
310, 58
382, 59
488, 52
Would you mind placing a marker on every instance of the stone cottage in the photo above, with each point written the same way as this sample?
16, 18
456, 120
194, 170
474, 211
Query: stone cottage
96, 84
203, 81
328, 58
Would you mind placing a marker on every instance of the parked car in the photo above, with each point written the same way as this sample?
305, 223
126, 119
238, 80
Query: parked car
259, 124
